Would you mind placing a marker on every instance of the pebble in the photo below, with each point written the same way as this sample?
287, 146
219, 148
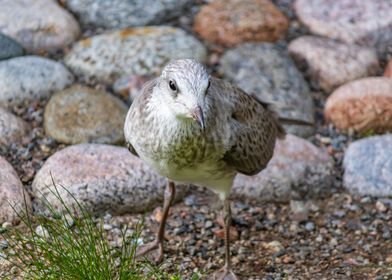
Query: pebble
102, 178
208, 224
330, 64
232, 22
388, 70
12, 128
9, 47
298, 170
363, 105
42, 231
309, 226
132, 51
267, 72
368, 166
12, 195
81, 114
30, 78
38, 25
273, 246
116, 14
368, 23
381, 207
129, 87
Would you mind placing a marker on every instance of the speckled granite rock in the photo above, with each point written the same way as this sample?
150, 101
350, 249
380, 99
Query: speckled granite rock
9, 47
230, 22
81, 114
367, 23
368, 166
31, 77
362, 105
38, 25
102, 178
330, 64
11, 194
132, 51
119, 13
267, 72
12, 128
388, 70
298, 170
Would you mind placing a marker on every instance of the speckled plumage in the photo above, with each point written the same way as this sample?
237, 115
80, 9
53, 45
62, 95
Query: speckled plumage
239, 136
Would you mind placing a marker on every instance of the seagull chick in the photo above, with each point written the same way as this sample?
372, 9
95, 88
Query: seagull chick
193, 128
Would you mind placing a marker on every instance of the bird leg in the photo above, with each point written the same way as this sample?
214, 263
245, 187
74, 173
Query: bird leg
226, 273
154, 250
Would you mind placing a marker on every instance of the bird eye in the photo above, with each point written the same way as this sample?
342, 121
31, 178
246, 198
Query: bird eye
172, 86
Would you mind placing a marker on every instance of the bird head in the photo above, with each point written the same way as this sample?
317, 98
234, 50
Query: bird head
183, 87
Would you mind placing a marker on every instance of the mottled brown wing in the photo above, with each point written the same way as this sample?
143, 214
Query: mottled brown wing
254, 129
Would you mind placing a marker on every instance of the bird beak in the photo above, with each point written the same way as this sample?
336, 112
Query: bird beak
197, 115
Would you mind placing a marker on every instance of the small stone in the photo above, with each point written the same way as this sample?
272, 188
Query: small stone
273, 246
231, 22
299, 211
38, 25
42, 232
330, 64
208, 224
333, 242
133, 51
310, 226
12, 128
107, 227
9, 47
81, 114
190, 200
381, 207
363, 105
368, 166
220, 233
388, 70
30, 78
388, 260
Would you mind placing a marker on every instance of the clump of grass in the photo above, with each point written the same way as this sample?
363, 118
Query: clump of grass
73, 246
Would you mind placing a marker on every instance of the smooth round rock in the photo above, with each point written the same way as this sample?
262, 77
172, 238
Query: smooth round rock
298, 170
268, 73
12, 128
362, 105
231, 22
38, 25
31, 77
102, 178
12, 194
368, 166
9, 47
388, 70
113, 14
132, 51
367, 23
81, 114
330, 64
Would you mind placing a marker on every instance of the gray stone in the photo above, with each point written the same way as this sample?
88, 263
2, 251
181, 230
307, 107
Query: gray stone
297, 171
12, 128
125, 13
102, 178
367, 23
268, 73
31, 77
12, 194
132, 51
330, 64
38, 25
81, 114
9, 48
368, 166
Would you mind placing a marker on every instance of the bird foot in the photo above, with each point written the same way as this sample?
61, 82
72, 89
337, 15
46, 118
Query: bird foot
153, 251
225, 274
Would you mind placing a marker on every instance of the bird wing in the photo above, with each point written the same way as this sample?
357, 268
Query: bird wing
254, 127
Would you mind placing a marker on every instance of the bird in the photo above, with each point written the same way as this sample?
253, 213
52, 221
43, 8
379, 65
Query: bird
193, 128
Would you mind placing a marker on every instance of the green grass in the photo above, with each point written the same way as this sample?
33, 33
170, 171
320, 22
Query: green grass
78, 250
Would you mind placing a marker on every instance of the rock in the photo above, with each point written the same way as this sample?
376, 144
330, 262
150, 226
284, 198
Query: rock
368, 166
9, 48
129, 87
102, 178
330, 64
38, 25
31, 77
81, 114
388, 70
12, 128
298, 170
273, 246
363, 105
132, 51
267, 72
367, 23
12, 194
231, 22
120, 14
